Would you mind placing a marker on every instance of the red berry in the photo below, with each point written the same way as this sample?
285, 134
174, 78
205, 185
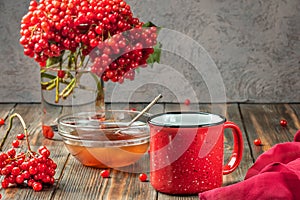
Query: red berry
26, 175
33, 170
5, 171
283, 123
5, 183
2, 121
20, 136
15, 143
61, 73
48, 132
15, 171
11, 153
44, 151
105, 173
187, 102
257, 142
143, 177
19, 179
37, 186
30, 182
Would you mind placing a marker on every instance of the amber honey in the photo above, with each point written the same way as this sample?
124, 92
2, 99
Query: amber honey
109, 157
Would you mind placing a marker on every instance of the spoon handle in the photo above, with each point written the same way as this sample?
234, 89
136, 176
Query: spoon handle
145, 109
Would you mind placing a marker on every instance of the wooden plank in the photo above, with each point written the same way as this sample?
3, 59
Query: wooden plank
231, 112
295, 115
5, 110
263, 121
127, 186
79, 182
32, 116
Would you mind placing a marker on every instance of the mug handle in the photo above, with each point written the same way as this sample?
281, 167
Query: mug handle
238, 146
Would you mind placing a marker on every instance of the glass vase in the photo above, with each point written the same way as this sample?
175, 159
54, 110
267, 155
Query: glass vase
68, 93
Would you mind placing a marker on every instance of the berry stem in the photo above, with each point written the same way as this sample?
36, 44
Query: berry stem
52, 84
67, 90
9, 129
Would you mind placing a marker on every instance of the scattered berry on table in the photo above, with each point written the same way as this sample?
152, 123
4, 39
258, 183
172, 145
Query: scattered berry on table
47, 131
283, 123
257, 142
2, 121
187, 102
105, 173
143, 177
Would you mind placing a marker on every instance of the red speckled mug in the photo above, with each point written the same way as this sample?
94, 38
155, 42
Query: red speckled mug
187, 150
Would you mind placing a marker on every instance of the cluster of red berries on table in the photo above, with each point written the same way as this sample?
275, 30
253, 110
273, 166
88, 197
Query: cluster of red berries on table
34, 169
53, 27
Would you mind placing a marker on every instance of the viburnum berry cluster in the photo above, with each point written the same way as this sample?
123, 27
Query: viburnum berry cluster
117, 42
34, 169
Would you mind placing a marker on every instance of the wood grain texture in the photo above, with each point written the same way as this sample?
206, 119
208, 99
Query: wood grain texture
80, 182
263, 121
5, 110
296, 115
128, 186
77, 182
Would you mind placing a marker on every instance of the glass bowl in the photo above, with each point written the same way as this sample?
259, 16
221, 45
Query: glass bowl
104, 140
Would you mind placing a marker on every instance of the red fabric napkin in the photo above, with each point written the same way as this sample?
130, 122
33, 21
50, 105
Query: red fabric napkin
274, 175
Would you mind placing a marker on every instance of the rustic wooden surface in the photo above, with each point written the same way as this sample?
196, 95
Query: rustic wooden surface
76, 182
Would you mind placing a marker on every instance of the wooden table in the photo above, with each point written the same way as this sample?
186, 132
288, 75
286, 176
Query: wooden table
78, 182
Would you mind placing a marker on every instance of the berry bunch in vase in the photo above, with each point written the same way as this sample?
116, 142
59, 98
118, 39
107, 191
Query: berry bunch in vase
80, 44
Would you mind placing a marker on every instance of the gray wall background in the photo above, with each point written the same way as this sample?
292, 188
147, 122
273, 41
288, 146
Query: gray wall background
255, 45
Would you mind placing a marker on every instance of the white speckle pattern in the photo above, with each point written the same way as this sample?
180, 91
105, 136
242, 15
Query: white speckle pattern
188, 174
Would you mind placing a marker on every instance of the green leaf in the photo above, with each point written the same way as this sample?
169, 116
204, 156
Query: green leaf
155, 56
53, 61
150, 24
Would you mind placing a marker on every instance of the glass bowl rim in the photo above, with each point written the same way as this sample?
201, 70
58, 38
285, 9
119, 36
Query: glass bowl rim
67, 136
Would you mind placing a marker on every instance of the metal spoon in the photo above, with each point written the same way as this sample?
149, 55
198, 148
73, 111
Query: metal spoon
143, 111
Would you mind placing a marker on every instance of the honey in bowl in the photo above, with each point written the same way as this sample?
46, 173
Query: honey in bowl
109, 157
105, 142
